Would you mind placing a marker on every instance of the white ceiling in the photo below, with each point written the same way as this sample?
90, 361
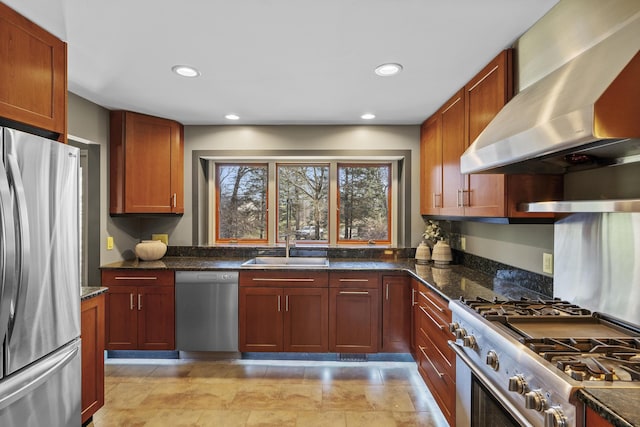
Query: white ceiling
279, 61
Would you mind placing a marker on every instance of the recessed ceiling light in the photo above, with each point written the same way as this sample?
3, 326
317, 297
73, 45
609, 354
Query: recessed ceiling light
185, 71
368, 116
389, 69
232, 117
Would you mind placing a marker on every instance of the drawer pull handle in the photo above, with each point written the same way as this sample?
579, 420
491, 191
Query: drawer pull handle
139, 301
432, 303
274, 279
440, 374
286, 303
354, 293
130, 301
441, 327
413, 297
354, 280
136, 278
278, 302
387, 292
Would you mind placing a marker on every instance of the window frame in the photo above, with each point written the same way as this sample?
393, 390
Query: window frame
277, 197
202, 194
216, 218
390, 213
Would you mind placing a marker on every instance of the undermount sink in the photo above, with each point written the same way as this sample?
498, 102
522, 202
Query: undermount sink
284, 262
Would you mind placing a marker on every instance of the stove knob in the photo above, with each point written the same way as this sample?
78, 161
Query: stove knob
535, 400
453, 327
461, 333
518, 384
492, 360
553, 417
469, 341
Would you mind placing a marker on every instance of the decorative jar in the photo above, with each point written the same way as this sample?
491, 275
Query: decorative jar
150, 250
423, 253
441, 253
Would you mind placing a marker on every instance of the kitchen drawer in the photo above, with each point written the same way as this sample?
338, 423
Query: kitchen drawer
438, 332
441, 356
435, 305
440, 383
137, 277
354, 279
284, 279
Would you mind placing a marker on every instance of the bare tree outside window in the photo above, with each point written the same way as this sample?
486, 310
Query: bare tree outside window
364, 202
242, 202
303, 201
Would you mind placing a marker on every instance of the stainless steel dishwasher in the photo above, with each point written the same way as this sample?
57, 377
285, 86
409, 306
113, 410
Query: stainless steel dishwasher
207, 310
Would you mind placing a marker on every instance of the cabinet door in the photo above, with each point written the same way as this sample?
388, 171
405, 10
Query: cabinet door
92, 327
452, 116
122, 318
431, 166
156, 317
33, 72
485, 95
396, 314
353, 320
260, 322
306, 320
148, 164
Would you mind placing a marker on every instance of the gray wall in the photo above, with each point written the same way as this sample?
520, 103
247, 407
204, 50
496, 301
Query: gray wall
517, 245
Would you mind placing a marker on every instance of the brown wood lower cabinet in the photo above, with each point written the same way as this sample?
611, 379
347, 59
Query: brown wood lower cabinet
396, 314
140, 309
436, 361
354, 312
283, 311
92, 335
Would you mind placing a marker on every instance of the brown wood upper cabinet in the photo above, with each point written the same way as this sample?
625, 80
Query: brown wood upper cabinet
33, 72
146, 165
447, 134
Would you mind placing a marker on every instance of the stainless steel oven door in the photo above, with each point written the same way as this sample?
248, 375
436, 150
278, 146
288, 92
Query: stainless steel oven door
478, 402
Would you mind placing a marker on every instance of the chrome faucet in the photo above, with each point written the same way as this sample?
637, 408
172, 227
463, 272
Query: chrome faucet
290, 242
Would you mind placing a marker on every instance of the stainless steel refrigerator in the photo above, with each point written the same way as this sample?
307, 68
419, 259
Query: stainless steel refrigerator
40, 369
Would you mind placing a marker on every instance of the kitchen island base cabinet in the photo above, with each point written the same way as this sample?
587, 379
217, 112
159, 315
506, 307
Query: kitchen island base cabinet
283, 311
92, 335
354, 312
140, 309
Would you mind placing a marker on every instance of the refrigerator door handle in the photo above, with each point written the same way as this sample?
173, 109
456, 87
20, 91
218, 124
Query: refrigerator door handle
7, 253
24, 238
18, 386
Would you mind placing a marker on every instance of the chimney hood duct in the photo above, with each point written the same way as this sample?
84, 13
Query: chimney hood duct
584, 114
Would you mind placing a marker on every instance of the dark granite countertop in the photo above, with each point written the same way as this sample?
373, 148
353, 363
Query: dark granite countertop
619, 406
88, 292
452, 281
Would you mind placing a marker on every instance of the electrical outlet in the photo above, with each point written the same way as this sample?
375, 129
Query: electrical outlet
109, 243
463, 243
547, 263
164, 238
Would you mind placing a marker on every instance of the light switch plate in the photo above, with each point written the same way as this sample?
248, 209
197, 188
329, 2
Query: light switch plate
109, 243
463, 243
547, 263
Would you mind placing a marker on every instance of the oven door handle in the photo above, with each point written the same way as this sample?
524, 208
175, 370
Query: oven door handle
504, 401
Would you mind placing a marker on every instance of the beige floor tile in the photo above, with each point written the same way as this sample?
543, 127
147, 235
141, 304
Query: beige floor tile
370, 419
321, 419
219, 418
272, 419
389, 398
233, 393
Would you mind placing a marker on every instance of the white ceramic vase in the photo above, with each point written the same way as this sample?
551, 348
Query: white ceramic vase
151, 250
441, 253
423, 253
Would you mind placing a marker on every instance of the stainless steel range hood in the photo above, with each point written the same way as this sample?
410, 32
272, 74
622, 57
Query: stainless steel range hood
584, 114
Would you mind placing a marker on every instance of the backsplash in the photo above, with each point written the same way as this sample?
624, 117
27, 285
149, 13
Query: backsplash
596, 263
500, 272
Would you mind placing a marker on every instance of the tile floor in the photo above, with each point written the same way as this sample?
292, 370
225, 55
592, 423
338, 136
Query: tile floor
265, 393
